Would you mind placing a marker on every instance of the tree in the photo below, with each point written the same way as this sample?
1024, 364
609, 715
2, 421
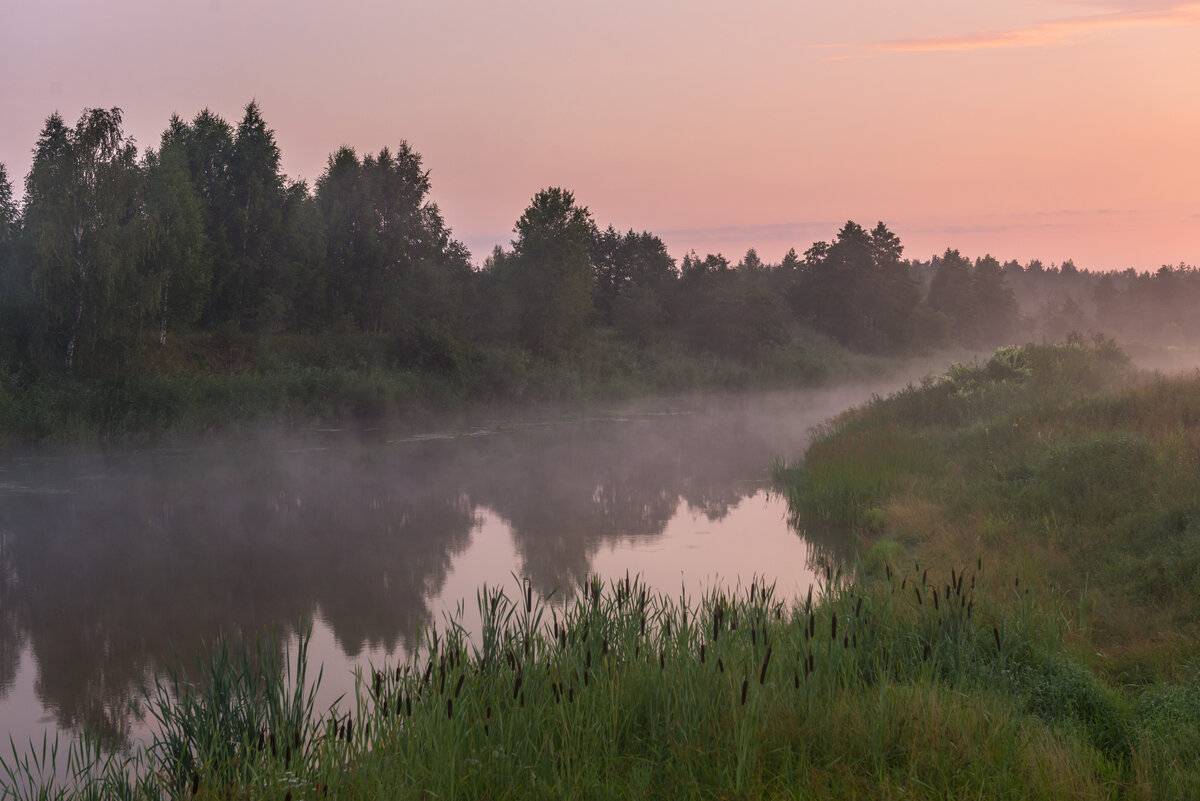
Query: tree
996, 306
553, 275
951, 293
177, 261
208, 143
625, 261
391, 263
254, 292
8, 210
857, 290
15, 296
81, 198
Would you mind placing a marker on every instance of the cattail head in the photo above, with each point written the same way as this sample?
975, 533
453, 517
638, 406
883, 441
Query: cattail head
745, 687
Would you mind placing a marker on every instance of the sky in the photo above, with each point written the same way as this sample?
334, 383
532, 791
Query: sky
1050, 130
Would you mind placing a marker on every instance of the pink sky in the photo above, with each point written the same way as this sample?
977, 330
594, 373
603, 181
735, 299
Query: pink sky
1021, 129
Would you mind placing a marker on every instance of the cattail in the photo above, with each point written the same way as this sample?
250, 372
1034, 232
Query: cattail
762, 674
587, 661
952, 579
833, 627
903, 583
796, 679
720, 665
517, 684
996, 634
378, 683
811, 663
970, 606
458, 685
888, 570
925, 577
702, 653
408, 705
571, 694
662, 660
854, 639
845, 641
554, 687
753, 637
1017, 582
745, 687
668, 629
604, 647
917, 590
753, 587
858, 608
935, 600
928, 650
195, 782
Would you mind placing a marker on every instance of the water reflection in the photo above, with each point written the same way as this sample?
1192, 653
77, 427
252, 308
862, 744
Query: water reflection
111, 565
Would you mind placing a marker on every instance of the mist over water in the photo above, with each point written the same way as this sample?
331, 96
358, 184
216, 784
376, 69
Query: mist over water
113, 565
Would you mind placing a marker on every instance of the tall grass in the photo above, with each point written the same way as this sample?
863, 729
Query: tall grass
913, 684
1057, 463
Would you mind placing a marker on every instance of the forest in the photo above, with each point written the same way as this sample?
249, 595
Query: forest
188, 256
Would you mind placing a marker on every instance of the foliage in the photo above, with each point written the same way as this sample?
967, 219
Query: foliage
911, 684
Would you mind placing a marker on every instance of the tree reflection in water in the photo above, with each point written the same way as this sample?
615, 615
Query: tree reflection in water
111, 565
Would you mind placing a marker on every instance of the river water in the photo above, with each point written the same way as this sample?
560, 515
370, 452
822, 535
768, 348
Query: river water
114, 565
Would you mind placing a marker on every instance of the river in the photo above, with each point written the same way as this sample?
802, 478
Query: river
113, 565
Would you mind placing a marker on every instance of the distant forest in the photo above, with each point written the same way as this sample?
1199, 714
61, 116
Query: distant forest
114, 255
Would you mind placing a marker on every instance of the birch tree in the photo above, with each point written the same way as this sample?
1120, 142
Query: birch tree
81, 199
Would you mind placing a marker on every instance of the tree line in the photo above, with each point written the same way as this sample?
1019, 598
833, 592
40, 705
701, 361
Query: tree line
112, 254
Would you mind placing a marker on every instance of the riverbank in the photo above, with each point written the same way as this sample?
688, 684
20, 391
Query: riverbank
1019, 626
202, 386
1077, 480
879, 689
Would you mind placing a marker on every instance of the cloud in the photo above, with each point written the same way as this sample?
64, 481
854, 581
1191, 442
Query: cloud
1065, 29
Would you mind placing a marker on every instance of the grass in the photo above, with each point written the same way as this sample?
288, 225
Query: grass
914, 685
1076, 474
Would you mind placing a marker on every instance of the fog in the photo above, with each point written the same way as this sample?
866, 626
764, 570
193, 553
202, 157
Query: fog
112, 565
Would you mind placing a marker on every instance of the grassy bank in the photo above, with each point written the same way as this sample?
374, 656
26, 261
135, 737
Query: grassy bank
913, 686
1069, 473
206, 384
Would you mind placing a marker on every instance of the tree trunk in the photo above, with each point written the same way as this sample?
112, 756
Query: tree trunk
162, 331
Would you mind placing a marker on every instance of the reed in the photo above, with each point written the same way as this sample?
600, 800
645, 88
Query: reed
626, 692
